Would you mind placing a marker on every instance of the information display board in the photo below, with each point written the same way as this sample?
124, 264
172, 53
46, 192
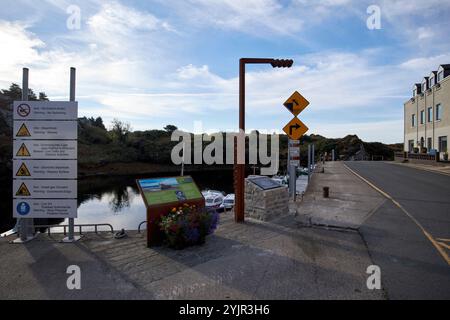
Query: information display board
264, 183
160, 195
158, 191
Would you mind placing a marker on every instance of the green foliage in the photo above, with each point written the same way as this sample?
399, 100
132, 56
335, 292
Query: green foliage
15, 93
170, 128
120, 130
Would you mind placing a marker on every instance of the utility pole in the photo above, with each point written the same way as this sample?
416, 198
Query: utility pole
239, 168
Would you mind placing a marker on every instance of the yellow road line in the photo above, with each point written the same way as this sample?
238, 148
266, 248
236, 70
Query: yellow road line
444, 245
433, 241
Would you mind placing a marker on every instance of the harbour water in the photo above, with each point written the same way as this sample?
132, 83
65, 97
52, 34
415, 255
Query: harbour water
114, 200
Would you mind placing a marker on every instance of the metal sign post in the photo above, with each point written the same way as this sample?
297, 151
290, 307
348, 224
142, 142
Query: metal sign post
293, 163
309, 162
239, 168
71, 237
25, 225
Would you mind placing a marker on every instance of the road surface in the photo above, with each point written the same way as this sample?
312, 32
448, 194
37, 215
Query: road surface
408, 236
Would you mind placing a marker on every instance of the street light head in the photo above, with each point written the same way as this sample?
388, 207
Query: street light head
282, 63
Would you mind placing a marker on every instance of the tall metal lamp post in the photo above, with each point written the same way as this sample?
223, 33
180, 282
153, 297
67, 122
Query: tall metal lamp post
239, 168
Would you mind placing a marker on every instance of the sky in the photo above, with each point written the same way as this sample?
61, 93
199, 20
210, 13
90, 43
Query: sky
158, 62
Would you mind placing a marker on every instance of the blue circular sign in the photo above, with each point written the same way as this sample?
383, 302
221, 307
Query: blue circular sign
23, 208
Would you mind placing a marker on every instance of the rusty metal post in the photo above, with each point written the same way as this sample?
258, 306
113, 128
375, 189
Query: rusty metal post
240, 168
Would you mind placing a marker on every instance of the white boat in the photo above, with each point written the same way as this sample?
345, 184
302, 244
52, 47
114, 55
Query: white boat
213, 198
228, 201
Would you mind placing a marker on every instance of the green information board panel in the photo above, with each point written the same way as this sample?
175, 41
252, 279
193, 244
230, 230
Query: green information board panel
159, 191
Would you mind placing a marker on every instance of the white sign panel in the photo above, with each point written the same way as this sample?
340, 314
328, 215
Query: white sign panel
45, 149
294, 151
294, 163
45, 130
45, 110
44, 189
44, 208
45, 169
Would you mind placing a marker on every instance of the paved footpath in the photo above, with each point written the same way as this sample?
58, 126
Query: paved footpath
253, 260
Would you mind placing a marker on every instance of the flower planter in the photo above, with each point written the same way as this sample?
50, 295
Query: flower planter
187, 226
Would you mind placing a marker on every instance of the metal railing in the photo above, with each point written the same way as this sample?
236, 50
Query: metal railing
79, 226
140, 224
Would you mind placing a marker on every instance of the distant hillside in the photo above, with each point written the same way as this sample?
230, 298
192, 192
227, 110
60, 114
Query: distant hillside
99, 147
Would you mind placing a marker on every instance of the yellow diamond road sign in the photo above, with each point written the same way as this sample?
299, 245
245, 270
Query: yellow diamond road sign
295, 129
296, 103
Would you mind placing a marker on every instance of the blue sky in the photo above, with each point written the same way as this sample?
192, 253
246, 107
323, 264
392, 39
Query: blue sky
152, 63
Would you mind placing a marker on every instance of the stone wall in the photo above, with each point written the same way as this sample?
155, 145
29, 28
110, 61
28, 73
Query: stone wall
265, 204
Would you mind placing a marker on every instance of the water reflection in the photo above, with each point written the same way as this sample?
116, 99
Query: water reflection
120, 207
113, 200
116, 200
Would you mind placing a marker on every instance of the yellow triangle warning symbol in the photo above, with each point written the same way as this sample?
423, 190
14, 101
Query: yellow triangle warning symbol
23, 151
23, 191
23, 171
23, 131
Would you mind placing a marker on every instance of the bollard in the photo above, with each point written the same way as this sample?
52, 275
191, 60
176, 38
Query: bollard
326, 192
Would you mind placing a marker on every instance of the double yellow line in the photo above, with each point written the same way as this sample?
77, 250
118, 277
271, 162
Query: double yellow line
437, 244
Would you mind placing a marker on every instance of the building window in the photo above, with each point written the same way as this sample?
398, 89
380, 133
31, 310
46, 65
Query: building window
424, 87
413, 120
438, 112
443, 144
414, 92
430, 114
440, 76
429, 144
431, 82
422, 116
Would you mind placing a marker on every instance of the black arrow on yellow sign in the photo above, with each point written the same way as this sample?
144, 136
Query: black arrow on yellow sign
293, 127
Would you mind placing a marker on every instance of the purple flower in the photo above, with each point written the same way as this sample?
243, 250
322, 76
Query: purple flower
213, 222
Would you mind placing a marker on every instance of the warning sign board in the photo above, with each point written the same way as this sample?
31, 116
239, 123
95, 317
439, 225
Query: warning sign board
45, 169
23, 131
23, 151
296, 103
45, 110
45, 159
23, 171
44, 208
295, 129
46, 130
41, 149
45, 189
22, 191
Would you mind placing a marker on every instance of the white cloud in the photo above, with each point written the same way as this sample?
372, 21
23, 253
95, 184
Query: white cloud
115, 18
251, 16
19, 47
